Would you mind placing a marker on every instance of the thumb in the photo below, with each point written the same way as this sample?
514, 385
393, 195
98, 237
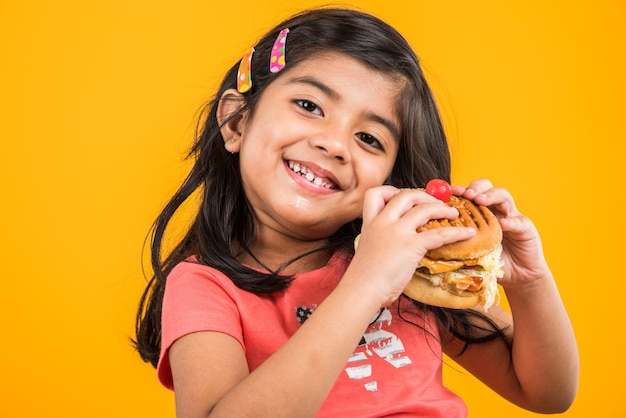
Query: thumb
518, 226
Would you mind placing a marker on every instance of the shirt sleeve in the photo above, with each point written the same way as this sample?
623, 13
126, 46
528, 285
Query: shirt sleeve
197, 298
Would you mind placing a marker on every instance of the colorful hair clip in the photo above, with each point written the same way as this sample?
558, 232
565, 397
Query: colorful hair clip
244, 73
277, 59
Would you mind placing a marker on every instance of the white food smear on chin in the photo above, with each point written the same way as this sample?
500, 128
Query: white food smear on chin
299, 202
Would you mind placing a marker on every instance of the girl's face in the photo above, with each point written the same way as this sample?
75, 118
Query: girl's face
321, 135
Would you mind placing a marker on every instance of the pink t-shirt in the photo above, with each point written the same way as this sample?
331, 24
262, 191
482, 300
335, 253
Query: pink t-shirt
394, 371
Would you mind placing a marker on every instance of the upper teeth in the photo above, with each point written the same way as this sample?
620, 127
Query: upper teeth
307, 174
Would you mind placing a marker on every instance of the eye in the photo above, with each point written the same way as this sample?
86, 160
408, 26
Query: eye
370, 140
309, 107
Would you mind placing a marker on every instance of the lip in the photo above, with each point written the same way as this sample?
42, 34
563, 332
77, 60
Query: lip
318, 172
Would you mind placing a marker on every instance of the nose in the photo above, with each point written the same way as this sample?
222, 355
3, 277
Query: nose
333, 145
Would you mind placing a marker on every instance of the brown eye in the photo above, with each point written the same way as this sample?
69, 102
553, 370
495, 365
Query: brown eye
309, 107
370, 140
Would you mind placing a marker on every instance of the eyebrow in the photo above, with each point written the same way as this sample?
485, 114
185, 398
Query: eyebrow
391, 126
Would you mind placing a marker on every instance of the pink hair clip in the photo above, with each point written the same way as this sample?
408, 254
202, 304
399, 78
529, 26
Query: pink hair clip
277, 59
244, 73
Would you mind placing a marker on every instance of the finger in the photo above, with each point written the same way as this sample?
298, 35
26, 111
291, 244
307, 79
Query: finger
392, 204
406, 200
375, 200
519, 226
458, 190
499, 200
435, 238
476, 188
420, 214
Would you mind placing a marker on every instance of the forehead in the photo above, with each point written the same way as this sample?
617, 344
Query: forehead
347, 80
343, 68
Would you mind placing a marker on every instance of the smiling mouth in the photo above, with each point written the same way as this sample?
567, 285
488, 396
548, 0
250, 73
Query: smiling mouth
310, 176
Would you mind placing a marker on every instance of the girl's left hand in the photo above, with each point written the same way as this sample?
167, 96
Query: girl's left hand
522, 250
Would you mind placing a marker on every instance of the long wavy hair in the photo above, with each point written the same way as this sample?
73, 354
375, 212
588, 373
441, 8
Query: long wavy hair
224, 218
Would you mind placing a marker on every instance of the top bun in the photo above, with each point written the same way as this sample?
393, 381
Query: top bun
488, 231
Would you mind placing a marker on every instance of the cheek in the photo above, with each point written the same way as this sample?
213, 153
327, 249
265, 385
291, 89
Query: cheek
377, 173
390, 165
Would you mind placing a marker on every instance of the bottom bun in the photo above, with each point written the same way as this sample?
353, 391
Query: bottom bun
423, 291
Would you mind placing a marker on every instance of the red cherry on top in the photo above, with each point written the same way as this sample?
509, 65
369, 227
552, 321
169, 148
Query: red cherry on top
440, 189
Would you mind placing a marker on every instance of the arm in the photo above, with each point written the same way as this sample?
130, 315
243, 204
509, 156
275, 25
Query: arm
210, 373
211, 376
541, 372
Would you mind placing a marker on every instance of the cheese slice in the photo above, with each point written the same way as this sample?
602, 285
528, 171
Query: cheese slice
438, 266
487, 262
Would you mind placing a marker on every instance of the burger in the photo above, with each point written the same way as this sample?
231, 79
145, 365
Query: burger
463, 274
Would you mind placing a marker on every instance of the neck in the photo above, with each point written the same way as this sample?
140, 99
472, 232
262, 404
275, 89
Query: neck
266, 254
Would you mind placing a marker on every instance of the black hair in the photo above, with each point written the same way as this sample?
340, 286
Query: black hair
224, 219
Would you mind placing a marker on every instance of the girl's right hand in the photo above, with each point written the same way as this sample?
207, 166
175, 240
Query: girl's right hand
389, 247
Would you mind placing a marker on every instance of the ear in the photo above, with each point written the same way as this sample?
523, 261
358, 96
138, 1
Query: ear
231, 126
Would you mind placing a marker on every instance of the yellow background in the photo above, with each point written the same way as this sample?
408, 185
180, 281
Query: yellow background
97, 105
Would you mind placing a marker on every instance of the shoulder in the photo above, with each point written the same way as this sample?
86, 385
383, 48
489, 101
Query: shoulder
190, 277
192, 268
196, 292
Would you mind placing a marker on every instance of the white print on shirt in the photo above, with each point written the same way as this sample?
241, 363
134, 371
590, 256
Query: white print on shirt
383, 344
376, 340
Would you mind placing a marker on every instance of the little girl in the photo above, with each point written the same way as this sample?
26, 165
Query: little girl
326, 129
